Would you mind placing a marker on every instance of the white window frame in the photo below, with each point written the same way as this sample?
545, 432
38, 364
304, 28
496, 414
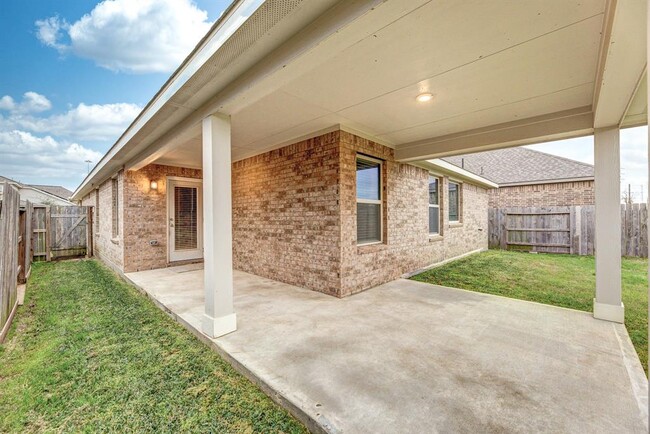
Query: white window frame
379, 202
460, 201
432, 175
171, 182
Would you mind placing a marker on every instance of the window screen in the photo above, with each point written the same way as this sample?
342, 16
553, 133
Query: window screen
369, 206
115, 208
434, 205
454, 202
186, 218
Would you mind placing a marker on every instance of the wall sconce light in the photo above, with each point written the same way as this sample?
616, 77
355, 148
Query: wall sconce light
154, 185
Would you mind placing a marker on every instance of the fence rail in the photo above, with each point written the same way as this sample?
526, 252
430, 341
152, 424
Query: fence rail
569, 229
60, 231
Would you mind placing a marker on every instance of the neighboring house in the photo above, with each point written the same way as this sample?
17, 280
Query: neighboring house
295, 141
40, 194
531, 178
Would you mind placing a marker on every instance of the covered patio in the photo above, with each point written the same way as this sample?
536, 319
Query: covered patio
421, 80
412, 357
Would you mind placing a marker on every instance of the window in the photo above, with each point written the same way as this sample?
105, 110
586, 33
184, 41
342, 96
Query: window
96, 213
454, 202
369, 205
434, 205
114, 206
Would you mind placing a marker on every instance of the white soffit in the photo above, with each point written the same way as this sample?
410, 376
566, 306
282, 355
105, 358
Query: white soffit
468, 61
503, 65
622, 63
485, 62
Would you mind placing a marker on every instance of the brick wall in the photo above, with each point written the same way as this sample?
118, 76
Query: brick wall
407, 245
286, 214
294, 217
107, 247
557, 194
145, 214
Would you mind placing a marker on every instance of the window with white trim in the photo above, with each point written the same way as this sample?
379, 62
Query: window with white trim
369, 201
454, 202
434, 205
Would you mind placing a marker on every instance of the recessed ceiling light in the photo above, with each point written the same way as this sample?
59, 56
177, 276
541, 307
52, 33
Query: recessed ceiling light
424, 97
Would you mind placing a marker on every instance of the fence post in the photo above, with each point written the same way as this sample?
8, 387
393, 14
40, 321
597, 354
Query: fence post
48, 233
29, 233
504, 233
9, 261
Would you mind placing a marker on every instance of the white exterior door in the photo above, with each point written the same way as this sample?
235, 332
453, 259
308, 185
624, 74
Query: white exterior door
184, 219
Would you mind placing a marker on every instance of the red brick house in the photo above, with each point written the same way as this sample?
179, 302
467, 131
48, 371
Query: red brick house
531, 178
315, 130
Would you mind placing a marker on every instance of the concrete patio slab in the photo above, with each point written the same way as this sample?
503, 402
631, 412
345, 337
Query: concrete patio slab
412, 357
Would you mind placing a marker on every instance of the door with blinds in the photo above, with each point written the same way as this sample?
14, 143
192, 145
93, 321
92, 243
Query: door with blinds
185, 219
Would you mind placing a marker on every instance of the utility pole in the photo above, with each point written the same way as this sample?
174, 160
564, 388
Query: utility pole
88, 165
629, 194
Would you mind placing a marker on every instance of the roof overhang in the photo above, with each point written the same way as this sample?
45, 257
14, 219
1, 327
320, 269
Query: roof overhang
502, 74
441, 167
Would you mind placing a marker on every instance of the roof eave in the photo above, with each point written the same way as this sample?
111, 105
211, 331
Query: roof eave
442, 167
547, 181
193, 57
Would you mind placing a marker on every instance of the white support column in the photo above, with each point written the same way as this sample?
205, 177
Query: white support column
219, 318
608, 304
648, 150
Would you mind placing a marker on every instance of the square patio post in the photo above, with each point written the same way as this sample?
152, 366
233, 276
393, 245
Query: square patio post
608, 304
219, 318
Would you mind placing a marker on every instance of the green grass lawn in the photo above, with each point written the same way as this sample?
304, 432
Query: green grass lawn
560, 280
87, 352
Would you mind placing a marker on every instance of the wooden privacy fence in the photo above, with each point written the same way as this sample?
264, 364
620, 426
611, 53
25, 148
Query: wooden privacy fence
34, 232
60, 231
15, 255
569, 229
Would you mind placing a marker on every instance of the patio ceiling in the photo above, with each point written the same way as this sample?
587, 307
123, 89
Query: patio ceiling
502, 74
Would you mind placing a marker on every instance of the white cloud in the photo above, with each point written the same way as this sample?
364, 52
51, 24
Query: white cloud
7, 103
32, 103
33, 159
50, 30
134, 36
42, 148
94, 122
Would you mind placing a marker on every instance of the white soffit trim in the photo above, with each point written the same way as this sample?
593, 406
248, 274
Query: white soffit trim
622, 61
444, 168
539, 129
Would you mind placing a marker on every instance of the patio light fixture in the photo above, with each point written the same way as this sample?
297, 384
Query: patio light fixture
154, 185
424, 97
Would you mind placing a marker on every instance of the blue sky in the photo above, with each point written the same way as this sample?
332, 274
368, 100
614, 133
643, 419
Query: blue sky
76, 73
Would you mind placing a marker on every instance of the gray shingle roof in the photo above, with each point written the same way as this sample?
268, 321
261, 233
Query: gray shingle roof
521, 166
56, 190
